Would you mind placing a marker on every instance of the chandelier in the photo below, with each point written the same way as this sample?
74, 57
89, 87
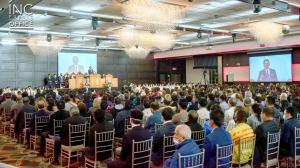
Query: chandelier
39, 45
153, 16
266, 32
137, 52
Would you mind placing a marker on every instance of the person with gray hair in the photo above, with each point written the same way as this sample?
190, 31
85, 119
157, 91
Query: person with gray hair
184, 145
193, 121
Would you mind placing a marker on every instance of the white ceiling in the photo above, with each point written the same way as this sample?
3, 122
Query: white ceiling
71, 19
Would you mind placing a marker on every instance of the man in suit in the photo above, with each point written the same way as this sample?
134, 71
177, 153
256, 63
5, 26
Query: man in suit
7, 104
167, 129
61, 114
261, 132
120, 119
90, 71
267, 74
184, 145
74, 119
182, 116
137, 133
76, 68
41, 112
218, 136
20, 122
101, 126
287, 141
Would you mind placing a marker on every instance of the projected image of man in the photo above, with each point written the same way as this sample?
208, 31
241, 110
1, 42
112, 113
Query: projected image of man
267, 74
75, 67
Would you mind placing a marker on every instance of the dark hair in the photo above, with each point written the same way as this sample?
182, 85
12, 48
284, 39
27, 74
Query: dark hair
51, 104
147, 104
257, 110
211, 97
183, 103
154, 106
127, 105
99, 115
189, 98
118, 100
103, 105
136, 116
61, 105
167, 113
203, 102
269, 112
241, 116
215, 107
271, 100
292, 111
223, 97
266, 60
217, 116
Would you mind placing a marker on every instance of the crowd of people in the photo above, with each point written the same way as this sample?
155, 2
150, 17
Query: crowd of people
227, 113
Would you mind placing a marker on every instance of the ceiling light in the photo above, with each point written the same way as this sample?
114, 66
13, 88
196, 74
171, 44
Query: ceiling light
285, 29
199, 34
256, 6
49, 37
94, 23
97, 41
266, 32
233, 37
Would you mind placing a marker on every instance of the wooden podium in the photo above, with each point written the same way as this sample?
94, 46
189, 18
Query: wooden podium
93, 81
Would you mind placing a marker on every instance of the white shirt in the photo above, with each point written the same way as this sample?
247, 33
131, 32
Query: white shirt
224, 106
229, 115
147, 113
203, 113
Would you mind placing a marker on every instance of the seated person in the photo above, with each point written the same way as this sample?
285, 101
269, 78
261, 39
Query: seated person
192, 123
63, 139
217, 136
154, 119
137, 133
262, 130
287, 144
61, 114
182, 116
120, 119
241, 131
41, 112
167, 129
101, 126
184, 145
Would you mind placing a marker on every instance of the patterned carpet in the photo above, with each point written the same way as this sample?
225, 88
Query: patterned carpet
15, 154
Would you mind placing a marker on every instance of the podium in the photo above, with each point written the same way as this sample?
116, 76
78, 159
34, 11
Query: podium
93, 81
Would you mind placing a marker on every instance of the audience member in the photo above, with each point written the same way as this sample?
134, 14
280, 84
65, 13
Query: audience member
254, 120
193, 121
154, 119
182, 116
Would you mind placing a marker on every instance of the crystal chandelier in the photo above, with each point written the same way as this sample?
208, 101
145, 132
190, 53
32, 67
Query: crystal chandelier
137, 52
153, 16
266, 32
39, 45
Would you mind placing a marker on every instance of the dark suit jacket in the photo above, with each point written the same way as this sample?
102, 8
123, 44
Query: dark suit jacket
287, 141
261, 133
64, 133
32, 121
217, 136
157, 149
72, 69
119, 122
99, 127
194, 126
137, 133
264, 77
59, 115
20, 120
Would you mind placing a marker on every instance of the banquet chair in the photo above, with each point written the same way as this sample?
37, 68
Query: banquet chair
127, 125
157, 126
198, 137
168, 147
297, 148
191, 161
41, 124
6, 121
273, 144
141, 153
103, 144
12, 134
27, 118
246, 145
57, 125
88, 125
224, 156
76, 142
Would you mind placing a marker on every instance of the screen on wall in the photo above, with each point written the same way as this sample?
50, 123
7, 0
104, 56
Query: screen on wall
239, 73
69, 62
271, 67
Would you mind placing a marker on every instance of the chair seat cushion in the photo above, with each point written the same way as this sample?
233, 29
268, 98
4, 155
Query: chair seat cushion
72, 148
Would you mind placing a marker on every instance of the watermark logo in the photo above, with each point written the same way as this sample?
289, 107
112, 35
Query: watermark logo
20, 16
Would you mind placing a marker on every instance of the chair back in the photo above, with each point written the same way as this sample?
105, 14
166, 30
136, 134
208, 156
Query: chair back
157, 126
298, 116
104, 143
41, 124
88, 122
297, 148
168, 147
191, 161
224, 156
198, 137
141, 153
27, 118
127, 125
273, 149
57, 126
246, 145
77, 134
6, 114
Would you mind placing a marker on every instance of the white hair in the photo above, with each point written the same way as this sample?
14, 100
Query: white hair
74, 110
283, 96
184, 131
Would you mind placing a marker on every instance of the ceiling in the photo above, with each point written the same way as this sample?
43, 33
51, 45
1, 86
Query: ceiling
71, 20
